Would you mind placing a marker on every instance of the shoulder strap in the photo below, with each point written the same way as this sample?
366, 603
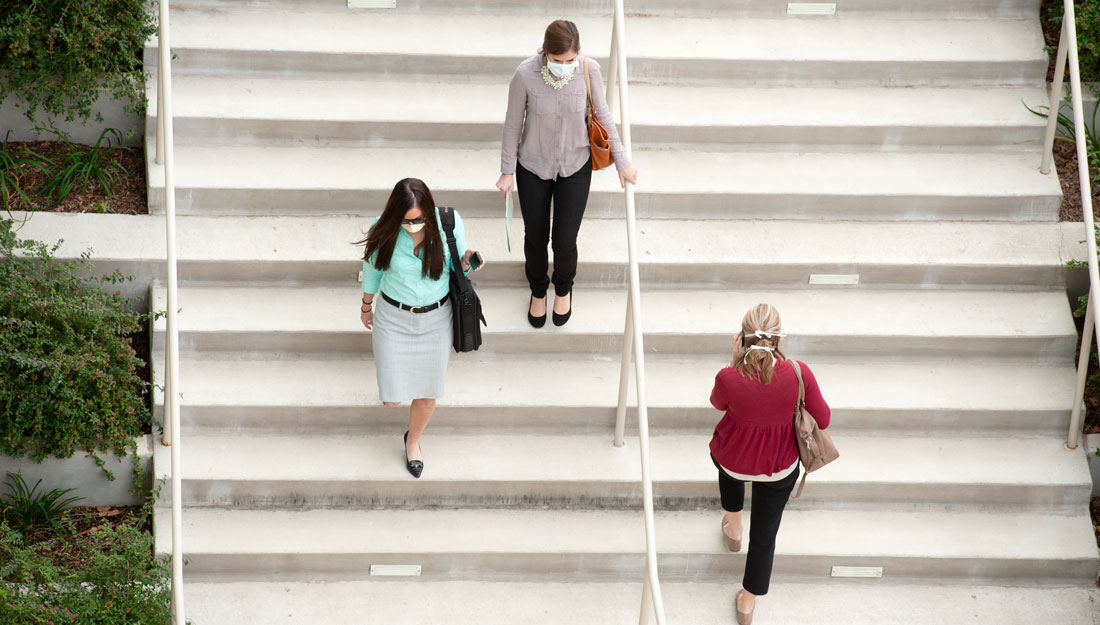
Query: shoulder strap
801, 384
447, 220
588, 87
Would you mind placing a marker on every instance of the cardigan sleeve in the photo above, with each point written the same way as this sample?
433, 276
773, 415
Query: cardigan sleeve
815, 403
718, 397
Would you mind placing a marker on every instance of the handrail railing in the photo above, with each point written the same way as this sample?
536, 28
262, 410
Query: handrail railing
1067, 51
632, 334
165, 155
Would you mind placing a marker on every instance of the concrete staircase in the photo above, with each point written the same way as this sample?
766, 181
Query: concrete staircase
890, 142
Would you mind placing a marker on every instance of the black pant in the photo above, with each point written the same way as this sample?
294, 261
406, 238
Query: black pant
570, 196
768, 501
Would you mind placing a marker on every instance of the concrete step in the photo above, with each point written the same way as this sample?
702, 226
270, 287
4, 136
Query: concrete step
687, 253
837, 602
673, 184
530, 545
778, 51
949, 324
1028, 472
368, 113
895, 9
287, 394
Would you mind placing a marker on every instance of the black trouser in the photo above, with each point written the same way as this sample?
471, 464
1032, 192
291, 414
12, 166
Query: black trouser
768, 501
570, 196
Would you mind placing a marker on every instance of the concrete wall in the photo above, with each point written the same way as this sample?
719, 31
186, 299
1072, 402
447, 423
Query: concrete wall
12, 118
80, 472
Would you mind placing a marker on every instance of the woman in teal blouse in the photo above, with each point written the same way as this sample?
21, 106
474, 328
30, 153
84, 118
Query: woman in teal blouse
407, 265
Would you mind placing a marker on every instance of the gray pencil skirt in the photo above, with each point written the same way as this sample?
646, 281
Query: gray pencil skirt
411, 351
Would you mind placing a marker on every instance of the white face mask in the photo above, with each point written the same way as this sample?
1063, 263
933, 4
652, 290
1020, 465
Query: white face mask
561, 70
412, 228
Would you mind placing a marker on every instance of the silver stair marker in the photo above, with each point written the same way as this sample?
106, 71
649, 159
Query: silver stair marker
395, 570
857, 571
811, 8
372, 4
834, 278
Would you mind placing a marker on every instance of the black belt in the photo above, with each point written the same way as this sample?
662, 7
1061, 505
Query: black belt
413, 309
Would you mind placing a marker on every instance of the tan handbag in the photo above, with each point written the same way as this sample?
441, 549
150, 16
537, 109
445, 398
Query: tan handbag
598, 138
815, 446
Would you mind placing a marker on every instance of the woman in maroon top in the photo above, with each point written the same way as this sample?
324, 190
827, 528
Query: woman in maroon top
754, 442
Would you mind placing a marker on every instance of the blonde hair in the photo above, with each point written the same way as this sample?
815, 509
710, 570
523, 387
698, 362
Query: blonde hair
759, 364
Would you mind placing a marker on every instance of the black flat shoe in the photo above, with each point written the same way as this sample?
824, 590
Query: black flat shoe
416, 467
560, 320
536, 322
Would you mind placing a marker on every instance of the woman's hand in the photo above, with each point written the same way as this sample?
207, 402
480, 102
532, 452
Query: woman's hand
466, 260
506, 183
628, 174
368, 320
738, 351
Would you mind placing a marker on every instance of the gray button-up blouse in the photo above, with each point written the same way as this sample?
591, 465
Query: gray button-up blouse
545, 128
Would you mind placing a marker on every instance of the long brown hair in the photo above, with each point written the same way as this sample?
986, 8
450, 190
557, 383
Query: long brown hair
382, 237
759, 364
561, 37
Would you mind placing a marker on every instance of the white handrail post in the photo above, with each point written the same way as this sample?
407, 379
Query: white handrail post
647, 600
1055, 100
1082, 151
1082, 376
172, 399
624, 375
160, 100
636, 323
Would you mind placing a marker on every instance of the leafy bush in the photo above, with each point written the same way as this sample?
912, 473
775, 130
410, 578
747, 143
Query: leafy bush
110, 577
68, 373
1087, 17
58, 54
30, 511
82, 165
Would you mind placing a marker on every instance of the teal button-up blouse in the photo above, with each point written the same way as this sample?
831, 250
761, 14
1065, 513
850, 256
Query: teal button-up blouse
403, 280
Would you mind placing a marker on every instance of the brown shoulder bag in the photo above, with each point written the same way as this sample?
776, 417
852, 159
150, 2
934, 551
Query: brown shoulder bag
815, 446
598, 138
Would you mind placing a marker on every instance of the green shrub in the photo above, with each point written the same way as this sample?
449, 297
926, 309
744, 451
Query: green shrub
77, 169
12, 162
58, 54
68, 373
109, 577
1087, 17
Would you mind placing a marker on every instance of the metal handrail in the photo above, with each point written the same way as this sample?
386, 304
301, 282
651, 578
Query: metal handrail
1067, 51
165, 155
632, 334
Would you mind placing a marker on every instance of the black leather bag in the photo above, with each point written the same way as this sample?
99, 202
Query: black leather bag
465, 304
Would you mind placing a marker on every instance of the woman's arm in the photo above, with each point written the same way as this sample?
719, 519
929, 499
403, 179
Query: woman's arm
372, 279
513, 124
815, 403
460, 244
718, 396
599, 101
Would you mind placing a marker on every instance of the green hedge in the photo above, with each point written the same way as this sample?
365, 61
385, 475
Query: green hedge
69, 376
56, 55
108, 577
1087, 17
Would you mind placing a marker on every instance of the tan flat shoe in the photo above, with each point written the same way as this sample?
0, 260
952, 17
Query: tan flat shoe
744, 618
734, 544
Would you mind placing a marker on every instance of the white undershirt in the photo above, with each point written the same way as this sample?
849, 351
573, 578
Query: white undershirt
774, 477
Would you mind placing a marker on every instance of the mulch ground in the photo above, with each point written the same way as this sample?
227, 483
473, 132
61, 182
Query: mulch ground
128, 192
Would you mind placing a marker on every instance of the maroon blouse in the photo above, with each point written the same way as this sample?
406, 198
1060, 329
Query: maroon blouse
756, 435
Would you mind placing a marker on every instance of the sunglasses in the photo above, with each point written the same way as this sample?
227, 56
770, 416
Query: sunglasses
412, 222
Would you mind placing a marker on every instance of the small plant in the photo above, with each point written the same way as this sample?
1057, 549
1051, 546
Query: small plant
100, 208
12, 162
82, 165
1087, 18
29, 511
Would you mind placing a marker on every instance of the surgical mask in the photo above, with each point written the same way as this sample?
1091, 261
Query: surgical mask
413, 228
561, 70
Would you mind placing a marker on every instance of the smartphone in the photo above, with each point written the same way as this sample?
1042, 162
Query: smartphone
476, 260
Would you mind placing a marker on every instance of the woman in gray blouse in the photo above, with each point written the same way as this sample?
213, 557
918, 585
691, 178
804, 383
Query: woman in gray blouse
546, 151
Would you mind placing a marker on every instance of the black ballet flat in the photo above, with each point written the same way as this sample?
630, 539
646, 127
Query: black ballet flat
560, 320
416, 467
536, 322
